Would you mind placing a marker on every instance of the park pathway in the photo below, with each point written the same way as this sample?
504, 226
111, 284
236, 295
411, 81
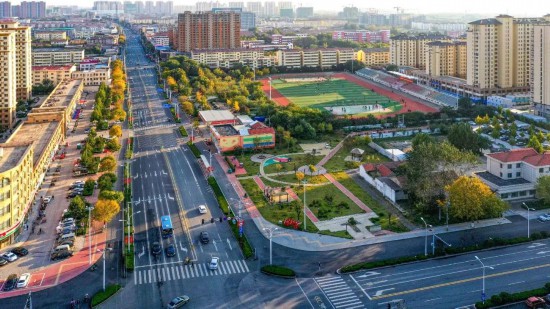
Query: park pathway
348, 193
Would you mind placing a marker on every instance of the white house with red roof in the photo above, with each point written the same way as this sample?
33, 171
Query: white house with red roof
382, 177
513, 174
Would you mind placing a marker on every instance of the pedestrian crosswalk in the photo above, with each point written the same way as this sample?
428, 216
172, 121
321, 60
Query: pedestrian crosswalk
137, 127
181, 272
339, 292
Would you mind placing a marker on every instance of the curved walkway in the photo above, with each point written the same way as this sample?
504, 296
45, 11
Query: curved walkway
266, 176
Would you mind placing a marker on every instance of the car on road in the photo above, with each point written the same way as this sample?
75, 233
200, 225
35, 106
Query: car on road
170, 250
9, 256
11, 282
213, 265
23, 280
59, 255
535, 302
155, 248
178, 302
544, 217
202, 209
20, 251
3, 262
204, 238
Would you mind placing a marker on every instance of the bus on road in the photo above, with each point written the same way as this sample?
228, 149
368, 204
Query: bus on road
167, 230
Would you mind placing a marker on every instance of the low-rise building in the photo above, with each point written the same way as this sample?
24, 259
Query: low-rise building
56, 56
55, 73
374, 56
217, 117
227, 58
94, 77
26, 154
383, 178
513, 174
103, 39
228, 137
50, 35
380, 36
321, 57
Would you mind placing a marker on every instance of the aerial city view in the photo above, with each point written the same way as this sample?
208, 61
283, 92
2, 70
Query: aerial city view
274, 154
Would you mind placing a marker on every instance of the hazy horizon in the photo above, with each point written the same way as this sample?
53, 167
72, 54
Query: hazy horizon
533, 8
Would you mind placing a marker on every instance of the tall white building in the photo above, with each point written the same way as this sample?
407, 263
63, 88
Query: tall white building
270, 9
541, 68
255, 7
8, 99
239, 5
284, 5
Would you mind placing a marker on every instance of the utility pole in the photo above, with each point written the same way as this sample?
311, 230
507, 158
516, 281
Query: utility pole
305, 217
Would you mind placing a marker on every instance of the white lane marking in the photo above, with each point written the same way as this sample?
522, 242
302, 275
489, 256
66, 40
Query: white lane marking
303, 292
363, 290
380, 292
519, 282
314, 280
367, 274
429, 300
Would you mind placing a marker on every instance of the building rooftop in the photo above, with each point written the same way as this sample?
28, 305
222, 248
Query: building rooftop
513, 155
216, 115
376, 50
11, 155
542, 159
51, 67
63, 94
54, 50
487, 21
226, 130
499, 181
39, 134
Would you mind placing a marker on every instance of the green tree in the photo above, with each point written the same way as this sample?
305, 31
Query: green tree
422, 138
462, 137
111, 195
107, 164
543, 188
116, 131
113, 144
535, 144
471, 200
77, 208
106, 181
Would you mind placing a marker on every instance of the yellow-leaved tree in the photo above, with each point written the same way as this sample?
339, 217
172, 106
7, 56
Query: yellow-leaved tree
471, 200
105, 210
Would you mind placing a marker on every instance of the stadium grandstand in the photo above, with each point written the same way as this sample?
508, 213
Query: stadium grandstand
403, 83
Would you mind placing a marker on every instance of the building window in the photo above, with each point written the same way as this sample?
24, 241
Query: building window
514, 194
509, 175
509, 166
518, 165
541, 170
518, 174
504, 195
500, 165
522, 193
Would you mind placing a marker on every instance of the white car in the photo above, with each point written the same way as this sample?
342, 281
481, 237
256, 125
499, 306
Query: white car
9, 256
23, 280
214, 263
47, 199
544, 218
202, 209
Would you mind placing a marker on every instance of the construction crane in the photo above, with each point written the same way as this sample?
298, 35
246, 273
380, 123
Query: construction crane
399, 9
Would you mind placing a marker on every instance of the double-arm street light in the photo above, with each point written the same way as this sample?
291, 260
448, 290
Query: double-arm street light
270, 232
426, 225
304, 182
483, 279
528, 217
127, 221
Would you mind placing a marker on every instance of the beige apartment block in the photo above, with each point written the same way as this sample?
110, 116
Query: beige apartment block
56, 56
55, 73
50, 35
93, 77
23, 66
541, 69
410, 50
208, 30
8, 90
228, 58
374, 56
446, 59
321, 57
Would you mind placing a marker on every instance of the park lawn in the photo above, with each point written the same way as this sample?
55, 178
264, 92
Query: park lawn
319, 192
278, 213
298, 160
380, 210
316, 179
337, 163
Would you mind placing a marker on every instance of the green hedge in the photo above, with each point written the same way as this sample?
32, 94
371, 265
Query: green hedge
229, 163
507, 298
129, 258
183, 132
102, 296
278, 271
246, 248
194, 149
495, 242
219, 195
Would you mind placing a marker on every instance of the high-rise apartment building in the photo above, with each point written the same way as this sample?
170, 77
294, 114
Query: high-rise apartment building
8, 99
5, 9
541, 68
500, 52
410, 50
248, 19
304, 12
284, 5
255, 7
208, 30
239, 5
270, 9
23, 68
32, 9
207, 6
446, 59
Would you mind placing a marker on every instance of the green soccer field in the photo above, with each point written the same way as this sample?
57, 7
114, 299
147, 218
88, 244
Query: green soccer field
334, 93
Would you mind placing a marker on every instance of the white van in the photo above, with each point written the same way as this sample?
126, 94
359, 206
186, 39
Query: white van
62, 248
70, 236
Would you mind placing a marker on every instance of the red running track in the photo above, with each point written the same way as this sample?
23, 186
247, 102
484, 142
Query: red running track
409, 106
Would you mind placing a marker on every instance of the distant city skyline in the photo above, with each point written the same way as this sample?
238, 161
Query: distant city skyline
511, 7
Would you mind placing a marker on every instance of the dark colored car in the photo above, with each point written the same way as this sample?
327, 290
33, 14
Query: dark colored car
204, 237
170, 250
11, 282
61, 255
3, 262
155, 248
20, 251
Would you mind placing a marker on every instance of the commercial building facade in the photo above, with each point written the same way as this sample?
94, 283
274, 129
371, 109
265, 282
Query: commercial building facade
55, 73
93, 77
208, 30
50, 35
56, 56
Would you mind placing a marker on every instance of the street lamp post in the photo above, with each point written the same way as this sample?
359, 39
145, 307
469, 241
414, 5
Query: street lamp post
483, 279
127, 221
528, 223
426, 237
270, 232
103, 253
270, 88
304, 182
90, 235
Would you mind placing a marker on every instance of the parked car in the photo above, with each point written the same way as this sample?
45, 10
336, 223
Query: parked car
214, 263
61, 255
178, 302
20, 251
544, 217
9, 256
170, 250
11, 282
535, 302
202, 209
23, 280
155, 248
204, 237
3, 261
